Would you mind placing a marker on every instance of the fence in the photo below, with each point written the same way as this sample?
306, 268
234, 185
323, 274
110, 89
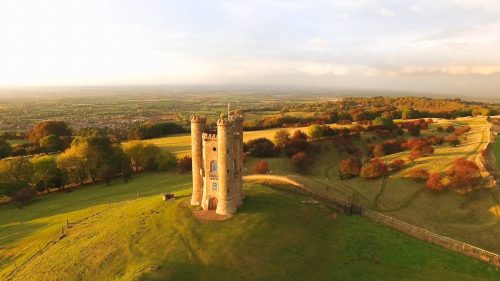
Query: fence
434, 238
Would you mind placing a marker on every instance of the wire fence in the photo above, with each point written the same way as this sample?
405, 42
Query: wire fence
431, 237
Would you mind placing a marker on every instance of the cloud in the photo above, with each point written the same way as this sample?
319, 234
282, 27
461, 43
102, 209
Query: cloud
337, 69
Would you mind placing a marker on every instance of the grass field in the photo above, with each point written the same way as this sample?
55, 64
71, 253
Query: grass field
274, 236
472, 217
17, 142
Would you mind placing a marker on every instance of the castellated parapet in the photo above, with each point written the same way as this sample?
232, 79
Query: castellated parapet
218, 182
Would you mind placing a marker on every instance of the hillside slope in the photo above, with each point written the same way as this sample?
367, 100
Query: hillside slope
274, 236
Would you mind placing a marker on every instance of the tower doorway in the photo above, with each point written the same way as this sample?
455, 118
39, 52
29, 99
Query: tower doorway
212, 204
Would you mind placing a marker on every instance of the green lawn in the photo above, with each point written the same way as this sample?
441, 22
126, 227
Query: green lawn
274, 236
17, 142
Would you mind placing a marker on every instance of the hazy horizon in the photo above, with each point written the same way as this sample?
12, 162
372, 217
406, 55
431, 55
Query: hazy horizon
444, 47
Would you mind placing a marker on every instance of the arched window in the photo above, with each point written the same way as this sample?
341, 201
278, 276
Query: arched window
213, 166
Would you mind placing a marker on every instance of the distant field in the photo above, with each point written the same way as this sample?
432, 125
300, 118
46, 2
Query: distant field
273, 236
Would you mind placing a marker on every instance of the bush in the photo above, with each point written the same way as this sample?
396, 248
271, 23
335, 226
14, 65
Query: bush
260, 147
464, 174
299, 135
301, 162
375, 168
419, 175
261, 167
434, 182
414, 130
453, 140
185, 164
24, 196
450, 129
349, 168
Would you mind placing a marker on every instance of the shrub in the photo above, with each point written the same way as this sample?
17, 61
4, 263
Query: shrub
462, 130
397, 164
374, 168
261, 147
419, 175
434, 182
453, 140
301, 162
185, 164
261, 167
24, 196
414, 130
440, 128
450, 129
349, 168
427, 150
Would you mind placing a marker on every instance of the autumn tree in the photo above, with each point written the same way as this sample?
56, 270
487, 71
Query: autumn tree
434, 182
396, 164
349, 168
374, 168
301, 162
464, 174
52, 133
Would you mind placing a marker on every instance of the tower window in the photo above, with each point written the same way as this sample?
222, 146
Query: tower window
213, 166
215, 186
214, 148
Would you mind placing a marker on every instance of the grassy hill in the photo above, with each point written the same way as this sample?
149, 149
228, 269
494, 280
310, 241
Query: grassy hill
274, 236
470, 217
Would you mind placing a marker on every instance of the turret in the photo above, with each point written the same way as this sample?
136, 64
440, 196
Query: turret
198, 124
238, 157
225, 143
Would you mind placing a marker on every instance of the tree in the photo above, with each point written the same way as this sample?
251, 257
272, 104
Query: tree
407, 113
298, 134
106, 174
434, 182
51, 143
450, 129
140, 153
166, 161
15, 174
261, 167
464, 174
296, 145
301, 162
185, 164
45, 172
260, 147
374, 168
315, 132
5, 148
385, 122
349, 168
47, 128
414, 130
281, 138
73, 165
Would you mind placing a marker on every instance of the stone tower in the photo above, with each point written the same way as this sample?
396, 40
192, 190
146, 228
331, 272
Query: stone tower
218, 160
198, 125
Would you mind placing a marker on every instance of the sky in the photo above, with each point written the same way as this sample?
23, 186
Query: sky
444, 46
